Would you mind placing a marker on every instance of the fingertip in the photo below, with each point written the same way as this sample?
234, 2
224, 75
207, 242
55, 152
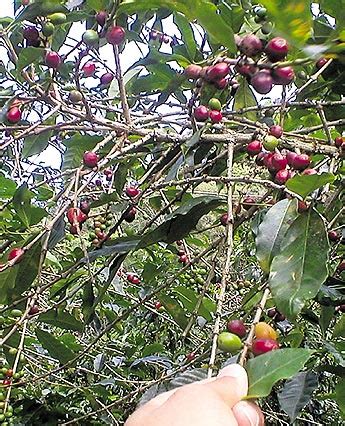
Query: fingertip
248, 414
234, 370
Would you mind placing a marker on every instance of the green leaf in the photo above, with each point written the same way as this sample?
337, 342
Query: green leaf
61, 319
36, 144
55, 348
152, 349
296, 393
189, 299
245, 98
267, 369
104, 199
272, 229
22, 204
300, 268
7, 187
174, 309
306, 184
29, 55
326, 315
340, 396
187, 34
179, 223
97, 4
339, 328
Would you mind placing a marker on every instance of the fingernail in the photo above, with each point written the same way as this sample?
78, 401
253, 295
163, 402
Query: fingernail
247, 414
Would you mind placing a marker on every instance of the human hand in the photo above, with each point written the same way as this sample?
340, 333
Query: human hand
215, 401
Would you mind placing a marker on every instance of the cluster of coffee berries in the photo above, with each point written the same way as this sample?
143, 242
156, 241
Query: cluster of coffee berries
9, 318
182, 255
162, 37
217, 75
265, 339
275, 315
230, 341
133, 278
194, 276
76, 216
212, 112
100, 224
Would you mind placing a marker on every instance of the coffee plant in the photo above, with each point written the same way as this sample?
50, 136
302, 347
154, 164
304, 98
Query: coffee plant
171, 201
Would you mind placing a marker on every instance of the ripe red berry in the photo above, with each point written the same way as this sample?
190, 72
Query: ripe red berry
302, 206
31, 34
267, 160
246, 70
158, 305
52, 60
221, 84
193, 71
190, 356
132, 191
16, 254
333, 236
341, 266
90, 159
290, 156
284, 75
309, 172
218, 71
339, 141
14, 115
321, 62
300, 161
259, 160
261, 346
34, 310
89, 69
101, 17
254, 147
74, 214
277, 49
248, 202
107, 78
6, 382
276, 131
215, 116
279, 161
237, 327
251, 45
282, 176
115, 35
135, 280
85, 206
262, 82
224, 219
201, 113
129, 216
183, 259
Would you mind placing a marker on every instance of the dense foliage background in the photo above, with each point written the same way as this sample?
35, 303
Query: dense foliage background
182, 227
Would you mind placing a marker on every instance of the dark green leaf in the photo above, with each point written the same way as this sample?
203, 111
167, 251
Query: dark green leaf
7, 187
245, 98
55, 348
339, 328
29, 55
35, 144
267, 369
57, 233
340, 396
300, 268
174, 309
306, 184
272, 229
296, 393
327, 314
61, 319
22, 204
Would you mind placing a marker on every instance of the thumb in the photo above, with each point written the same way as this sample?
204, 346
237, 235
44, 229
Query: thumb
231, 385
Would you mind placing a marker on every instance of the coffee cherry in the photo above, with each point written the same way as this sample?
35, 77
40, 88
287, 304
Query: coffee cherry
342, 308
129, 216
279, 161
284, 75
193, 71
75, 96
272, 312
7, 382
302, 206
153, 35
90, 159
290, 156
115, 35
321, 63
52, 60
183, 259
90, 38
279, 317
16, 254
264, 331
339, 141
282, 176
57, 18
132, 191
201, 113
262, 82
224, 219
75, 215
248, 202
300, 162
107, 78
270, 143
16, 313
218, 71
261, 346
13, 115
254, 147
309, 172
221, 84
277, 49
246, 70
276, 131
333, 236
89, 69
251, 45
34, 310
190, 357
229, 342
158, 305
214, 104
341, 266
101, 18
237, 327
215, 116
85, 206
48, 29
259, 160
31, 34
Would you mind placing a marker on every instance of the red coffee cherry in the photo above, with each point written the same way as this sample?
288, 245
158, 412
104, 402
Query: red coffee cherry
251, 45
13, 115
262, 82
16, 254
132, 191
283, 75
52, 60
276, 131
261, 346
254, 147
74, 214
129, 216
193, 71
224, 219
89, 69
115, 35
90, 159
201, 113
215, 116
277, 49
282, 176
279, 161
237, 327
